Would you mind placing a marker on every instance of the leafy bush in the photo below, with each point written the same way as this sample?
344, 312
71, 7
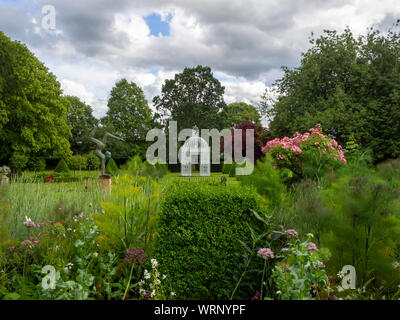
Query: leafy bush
266, 179
197, 243
310, 154
77, 162
112, 167
93, 161
19, 161
62, 167
300, 275
37, 164
229, 168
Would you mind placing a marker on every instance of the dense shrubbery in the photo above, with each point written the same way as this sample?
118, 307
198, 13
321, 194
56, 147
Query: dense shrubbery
310, 154
197, 243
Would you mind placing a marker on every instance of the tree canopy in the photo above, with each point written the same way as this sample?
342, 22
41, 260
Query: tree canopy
33, 112
350, 86
235, 113
82, 123
128, 116
193, 98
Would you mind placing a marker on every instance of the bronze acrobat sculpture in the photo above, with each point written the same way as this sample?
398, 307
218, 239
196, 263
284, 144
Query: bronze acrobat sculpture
100, 145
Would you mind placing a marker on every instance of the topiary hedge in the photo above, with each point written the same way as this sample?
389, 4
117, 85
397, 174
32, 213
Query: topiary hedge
197, 243
62, 167
112, 167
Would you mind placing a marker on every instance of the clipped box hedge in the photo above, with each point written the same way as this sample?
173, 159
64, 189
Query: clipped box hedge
197, 243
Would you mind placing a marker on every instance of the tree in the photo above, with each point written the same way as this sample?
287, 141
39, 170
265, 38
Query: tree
33, 113
82, 122
193, 98
261, 137
350, 86
235, 113
128, 116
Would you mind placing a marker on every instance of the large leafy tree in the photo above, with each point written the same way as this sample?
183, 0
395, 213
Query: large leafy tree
33, 112
193, 98
128, 116
350, 85
235, 113
82, 122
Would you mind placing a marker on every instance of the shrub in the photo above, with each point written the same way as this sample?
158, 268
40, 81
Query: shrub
229, 169
37, 164
310, 154
198, 238
62, 167
19, 161
93, 161
77, 162
112, 167
266, 179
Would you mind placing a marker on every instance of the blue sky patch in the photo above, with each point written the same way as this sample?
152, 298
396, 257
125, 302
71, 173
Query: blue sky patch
156, 24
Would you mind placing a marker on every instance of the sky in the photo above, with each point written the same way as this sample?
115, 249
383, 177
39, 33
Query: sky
94, 43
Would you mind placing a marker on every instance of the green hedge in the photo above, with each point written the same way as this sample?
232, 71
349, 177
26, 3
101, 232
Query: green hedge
62, 167
112, 168
197, 244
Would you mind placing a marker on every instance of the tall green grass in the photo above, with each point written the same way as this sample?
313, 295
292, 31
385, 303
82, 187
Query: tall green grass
38, 200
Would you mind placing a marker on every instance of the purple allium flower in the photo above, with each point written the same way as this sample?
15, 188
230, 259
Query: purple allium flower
135, 255
256, 296
265, 253
311, 246
86, 187
291, 233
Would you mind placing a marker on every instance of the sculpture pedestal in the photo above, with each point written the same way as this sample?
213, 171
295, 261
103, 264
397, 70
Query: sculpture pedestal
3, 180
105, 183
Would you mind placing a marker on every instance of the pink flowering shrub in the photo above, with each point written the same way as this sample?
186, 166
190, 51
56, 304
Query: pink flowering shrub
292, 152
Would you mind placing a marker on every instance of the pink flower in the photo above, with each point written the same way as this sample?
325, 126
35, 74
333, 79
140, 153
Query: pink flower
36, 240
12, 248
86, 187
39, 224
256, 296
292, 233
265, 253
311, 246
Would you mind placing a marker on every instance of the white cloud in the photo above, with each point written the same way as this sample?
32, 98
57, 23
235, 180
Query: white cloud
99, 42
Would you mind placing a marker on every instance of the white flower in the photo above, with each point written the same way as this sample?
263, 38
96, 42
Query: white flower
153, 293
396, 264
142, 291
164, 276
158, 282
146, 274
173, 294
154, 263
